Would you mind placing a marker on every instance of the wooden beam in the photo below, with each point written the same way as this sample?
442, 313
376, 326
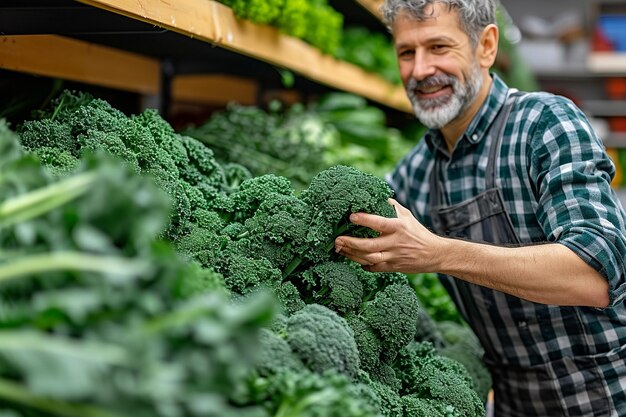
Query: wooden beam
372, 6
213, 22
210, 89
70, 59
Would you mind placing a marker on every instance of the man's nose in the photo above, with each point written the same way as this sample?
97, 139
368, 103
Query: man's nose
423, 66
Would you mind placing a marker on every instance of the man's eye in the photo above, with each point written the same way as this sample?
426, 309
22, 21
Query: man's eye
406, 53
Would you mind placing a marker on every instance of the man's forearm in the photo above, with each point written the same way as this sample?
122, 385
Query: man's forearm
548, 274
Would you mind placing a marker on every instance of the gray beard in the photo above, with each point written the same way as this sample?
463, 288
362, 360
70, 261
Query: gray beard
438, 112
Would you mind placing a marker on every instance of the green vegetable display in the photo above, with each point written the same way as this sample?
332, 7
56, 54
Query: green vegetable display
346, 334
98, 317
372, 51
314, 21
289, 143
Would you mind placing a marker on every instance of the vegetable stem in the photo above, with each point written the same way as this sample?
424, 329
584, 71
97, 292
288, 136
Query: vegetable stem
58, 261
35, 203
15, 393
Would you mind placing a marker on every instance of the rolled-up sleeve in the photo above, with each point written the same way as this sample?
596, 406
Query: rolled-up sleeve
576, 205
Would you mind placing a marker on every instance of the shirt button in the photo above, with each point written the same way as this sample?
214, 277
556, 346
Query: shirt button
474, 136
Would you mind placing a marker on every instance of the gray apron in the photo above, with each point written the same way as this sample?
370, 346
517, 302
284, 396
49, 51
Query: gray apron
536, 385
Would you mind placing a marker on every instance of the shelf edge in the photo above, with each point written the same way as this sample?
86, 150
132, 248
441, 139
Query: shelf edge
372, 6
70, 59
213, 22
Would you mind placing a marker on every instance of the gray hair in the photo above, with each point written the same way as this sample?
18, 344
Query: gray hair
474, 15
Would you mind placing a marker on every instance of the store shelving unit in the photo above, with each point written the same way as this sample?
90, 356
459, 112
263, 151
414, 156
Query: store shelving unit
372, 6
182, 34
82, 61
583, 76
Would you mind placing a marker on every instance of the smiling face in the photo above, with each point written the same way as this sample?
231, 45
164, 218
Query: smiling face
440, 68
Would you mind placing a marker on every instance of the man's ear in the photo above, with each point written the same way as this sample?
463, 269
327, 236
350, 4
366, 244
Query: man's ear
487, 48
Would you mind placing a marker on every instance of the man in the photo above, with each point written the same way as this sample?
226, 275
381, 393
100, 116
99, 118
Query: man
498, 173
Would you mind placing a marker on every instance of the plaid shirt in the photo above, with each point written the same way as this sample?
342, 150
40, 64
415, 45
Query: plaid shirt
555, 177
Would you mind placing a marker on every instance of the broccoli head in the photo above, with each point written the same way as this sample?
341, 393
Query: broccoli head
390, 401
366, 340
393, 317
275, 355
323, 340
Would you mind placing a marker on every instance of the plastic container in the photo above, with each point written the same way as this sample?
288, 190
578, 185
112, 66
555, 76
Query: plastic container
615, 88
614, 28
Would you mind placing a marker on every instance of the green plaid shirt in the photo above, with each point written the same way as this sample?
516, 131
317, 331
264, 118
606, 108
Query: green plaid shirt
555, 177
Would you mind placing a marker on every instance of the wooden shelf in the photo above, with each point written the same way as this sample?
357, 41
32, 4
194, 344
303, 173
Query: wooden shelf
84, 62
605, 108
208, 89
607, 62
70, 59
615, 140
215, 23
372, 6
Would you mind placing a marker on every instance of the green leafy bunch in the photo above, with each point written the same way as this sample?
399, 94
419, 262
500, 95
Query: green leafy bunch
184, 168
98, 316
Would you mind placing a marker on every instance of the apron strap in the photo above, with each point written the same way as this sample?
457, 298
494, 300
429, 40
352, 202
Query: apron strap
498, 128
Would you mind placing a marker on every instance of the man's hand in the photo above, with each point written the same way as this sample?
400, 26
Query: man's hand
404, 244
548, 274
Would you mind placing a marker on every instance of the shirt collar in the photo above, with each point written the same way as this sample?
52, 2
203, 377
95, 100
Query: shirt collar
480, 124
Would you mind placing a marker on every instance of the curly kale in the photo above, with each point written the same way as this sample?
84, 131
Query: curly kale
198, 280
183, 167
243, 275
60, 161
277, 230
253, 192
462, 345
416, 406
431, 376
234, 175
288, 296
385, 374
389, 400
309, 394
288, 144
336, 193
337, 285
203, 168
427, 330
481, 378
